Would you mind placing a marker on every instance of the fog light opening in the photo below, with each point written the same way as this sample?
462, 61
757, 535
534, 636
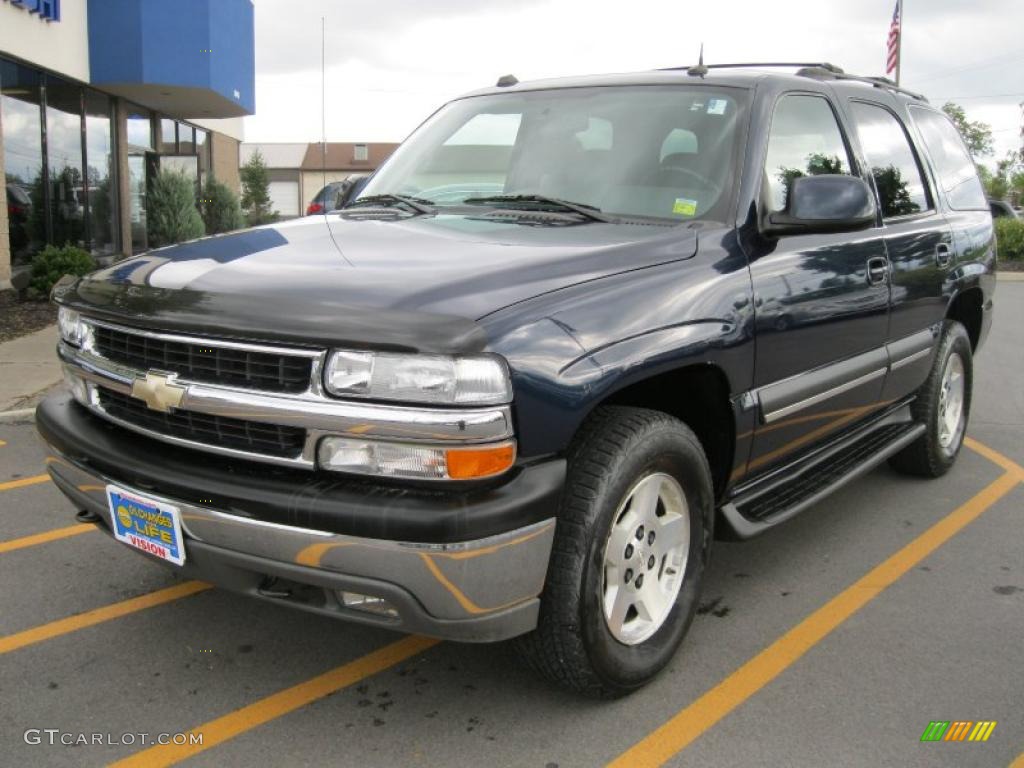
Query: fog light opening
368, 604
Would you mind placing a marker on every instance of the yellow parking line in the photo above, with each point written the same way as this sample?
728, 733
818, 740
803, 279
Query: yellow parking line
995, 457
99, 615
281, 703
3, 443
684, 727
46, 536
10, 485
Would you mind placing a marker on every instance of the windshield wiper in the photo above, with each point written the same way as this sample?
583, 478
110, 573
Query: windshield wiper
589, 211
418, 204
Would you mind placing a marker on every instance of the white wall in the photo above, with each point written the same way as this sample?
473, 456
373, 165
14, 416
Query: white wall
229, 126
62, 46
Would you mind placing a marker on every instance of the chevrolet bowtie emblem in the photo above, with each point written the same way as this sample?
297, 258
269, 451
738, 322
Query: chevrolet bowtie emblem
158, 392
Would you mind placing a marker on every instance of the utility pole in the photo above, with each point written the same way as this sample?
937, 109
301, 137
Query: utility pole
899, 44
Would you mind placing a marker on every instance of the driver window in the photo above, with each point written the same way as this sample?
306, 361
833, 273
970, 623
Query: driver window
805, 140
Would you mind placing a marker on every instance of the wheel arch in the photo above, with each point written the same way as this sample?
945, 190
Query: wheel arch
967, 309
698, 394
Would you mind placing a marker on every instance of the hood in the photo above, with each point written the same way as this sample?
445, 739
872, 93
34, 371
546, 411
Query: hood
413, 284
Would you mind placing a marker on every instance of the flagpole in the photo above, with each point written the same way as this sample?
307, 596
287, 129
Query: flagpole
899, 44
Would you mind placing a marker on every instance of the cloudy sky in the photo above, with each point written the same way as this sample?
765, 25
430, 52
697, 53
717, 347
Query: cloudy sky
391, 63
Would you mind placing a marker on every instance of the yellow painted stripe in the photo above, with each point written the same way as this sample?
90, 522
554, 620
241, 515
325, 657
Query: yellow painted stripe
995, 457
10, 485
683, 728
3, 443
977, 730
988, 731
99, 615
46, 536
281, 703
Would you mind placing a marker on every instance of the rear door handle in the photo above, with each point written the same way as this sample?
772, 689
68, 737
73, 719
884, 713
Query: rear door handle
943, 254
878, 269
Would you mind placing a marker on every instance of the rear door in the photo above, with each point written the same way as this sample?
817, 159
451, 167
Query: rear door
821, 301
918, 241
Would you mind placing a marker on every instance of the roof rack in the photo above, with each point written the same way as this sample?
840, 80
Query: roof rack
822, 73
820, 70
760, 64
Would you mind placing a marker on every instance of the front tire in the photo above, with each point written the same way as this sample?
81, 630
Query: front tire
631, 546
943, 405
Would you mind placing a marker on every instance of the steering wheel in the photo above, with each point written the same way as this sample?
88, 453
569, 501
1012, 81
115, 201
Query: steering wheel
702, 181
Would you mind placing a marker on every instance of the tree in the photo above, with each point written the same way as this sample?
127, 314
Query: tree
220, 209
171, 214
977, 135
256, 191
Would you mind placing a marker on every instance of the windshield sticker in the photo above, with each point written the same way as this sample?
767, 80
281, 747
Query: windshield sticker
685, 207
717, 106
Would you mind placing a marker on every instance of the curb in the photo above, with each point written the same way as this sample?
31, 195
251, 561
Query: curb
1011, 277
18, 414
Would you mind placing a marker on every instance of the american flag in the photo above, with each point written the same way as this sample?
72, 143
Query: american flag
894, 41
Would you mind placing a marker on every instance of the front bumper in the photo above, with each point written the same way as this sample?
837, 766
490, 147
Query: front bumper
481, 586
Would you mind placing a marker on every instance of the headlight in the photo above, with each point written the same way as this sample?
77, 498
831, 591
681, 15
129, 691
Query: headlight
407, 460
71, 328
435, 379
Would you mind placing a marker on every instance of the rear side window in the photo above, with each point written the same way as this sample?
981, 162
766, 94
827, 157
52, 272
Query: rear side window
805, 140
901, 188
952, 163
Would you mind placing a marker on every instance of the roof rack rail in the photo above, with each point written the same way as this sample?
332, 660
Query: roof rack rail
821, 73
753, 65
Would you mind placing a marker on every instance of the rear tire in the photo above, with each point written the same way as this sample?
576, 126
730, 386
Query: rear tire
638, 505
943, 405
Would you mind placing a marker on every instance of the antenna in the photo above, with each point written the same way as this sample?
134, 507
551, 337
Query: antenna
323, 105
700, 70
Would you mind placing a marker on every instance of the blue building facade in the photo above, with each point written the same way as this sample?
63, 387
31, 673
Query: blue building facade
95, 97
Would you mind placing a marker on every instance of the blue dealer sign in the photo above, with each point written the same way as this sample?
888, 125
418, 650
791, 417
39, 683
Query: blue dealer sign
47, 9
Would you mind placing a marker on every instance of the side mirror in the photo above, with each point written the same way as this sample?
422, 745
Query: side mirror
829, 203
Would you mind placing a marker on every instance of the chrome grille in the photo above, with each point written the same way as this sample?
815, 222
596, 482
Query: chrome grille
198, 361
251, 436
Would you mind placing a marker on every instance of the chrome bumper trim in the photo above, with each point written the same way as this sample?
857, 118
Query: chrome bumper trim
467, 579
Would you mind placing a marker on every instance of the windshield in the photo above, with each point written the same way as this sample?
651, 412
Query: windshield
667, 152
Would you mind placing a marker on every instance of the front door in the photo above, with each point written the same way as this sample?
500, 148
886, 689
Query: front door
821, 301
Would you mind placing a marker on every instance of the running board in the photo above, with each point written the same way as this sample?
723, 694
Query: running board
764, 508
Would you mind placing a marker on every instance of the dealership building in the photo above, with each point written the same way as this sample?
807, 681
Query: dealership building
96, 96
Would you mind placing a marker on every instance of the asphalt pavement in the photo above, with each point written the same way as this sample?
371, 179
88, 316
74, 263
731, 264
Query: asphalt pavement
833, 640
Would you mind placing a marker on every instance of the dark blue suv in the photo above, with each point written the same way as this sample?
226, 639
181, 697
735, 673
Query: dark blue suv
568, 333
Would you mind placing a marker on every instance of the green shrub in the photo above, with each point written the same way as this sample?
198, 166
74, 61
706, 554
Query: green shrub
256, 191
53, 262
1010, 239
171, 214
220, 208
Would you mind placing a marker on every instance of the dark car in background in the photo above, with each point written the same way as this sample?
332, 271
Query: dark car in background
335, 195
570, 332
19, 210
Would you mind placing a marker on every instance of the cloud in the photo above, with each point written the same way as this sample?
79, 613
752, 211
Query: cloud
391, 64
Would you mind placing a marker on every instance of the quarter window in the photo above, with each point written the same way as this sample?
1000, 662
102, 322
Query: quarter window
805, 140
952, 163
901, 188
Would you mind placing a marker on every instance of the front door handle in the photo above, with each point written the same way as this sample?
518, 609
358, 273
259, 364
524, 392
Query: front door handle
878, 269
943, 254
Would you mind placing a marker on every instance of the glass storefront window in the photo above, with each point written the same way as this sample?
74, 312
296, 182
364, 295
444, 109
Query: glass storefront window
203, 151
101, 189
23, 160
168, 143
186, 140
139, 130
64, 162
